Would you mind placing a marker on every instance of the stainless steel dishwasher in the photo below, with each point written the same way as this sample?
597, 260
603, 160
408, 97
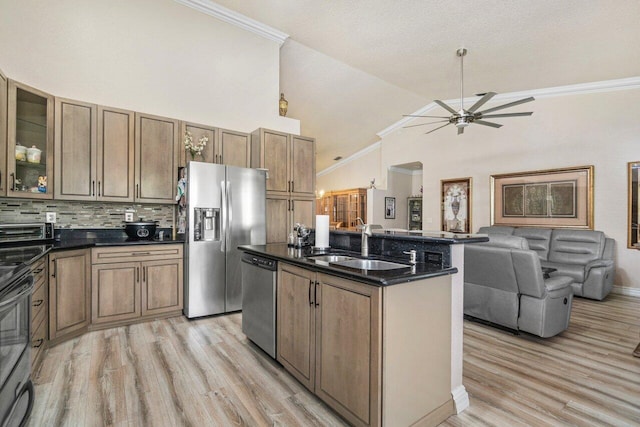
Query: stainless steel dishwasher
259, 301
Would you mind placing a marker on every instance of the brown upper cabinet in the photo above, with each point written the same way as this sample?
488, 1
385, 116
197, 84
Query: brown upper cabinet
224, 147
94, 152
289, 159
3, 133
29, 142
156, 157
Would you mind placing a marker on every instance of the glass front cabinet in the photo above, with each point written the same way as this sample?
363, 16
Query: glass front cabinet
29, 142
415, 213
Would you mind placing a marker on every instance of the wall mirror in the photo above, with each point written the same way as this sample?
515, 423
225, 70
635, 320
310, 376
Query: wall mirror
634, 208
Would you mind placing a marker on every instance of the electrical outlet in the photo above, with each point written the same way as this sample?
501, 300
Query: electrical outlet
50, 217
128, 216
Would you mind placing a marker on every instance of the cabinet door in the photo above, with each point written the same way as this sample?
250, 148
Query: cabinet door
303, 166
156, 158
161, 286
115, 154
115, 292
277, 220
3, 134
75, 150
69, 292
275, 158
303, 212
296, 323
233, 148
348, 357
29, 124
197, 132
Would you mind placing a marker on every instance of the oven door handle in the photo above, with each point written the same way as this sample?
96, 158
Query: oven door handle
26, 289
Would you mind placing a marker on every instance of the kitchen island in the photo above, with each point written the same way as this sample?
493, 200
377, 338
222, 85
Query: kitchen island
375, 345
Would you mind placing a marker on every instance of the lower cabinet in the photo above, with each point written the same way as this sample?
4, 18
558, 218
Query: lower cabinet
69, 293
329, 339
39, 311
124, 290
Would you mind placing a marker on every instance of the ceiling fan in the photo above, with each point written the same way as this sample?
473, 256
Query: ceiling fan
464, 118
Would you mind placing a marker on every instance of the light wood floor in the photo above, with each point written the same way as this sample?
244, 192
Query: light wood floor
177, 372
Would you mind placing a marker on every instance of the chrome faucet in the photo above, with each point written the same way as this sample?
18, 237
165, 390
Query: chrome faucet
366, 233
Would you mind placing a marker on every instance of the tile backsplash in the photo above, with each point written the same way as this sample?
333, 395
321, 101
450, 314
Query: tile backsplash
82, 214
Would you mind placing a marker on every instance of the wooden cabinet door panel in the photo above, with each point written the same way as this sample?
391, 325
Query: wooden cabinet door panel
115, 155
75, 150
303, 212
69, 292
277, 211
347, 348
3, 134
303, 166
197, 132
156, 158
296, 323
161, 286
233, 148
275, 152
115, 292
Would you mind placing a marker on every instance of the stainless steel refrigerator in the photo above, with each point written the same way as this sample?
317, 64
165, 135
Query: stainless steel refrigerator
225, 208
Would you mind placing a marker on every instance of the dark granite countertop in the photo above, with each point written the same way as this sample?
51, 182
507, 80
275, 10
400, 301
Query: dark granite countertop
89, 242
422, 235
281, 252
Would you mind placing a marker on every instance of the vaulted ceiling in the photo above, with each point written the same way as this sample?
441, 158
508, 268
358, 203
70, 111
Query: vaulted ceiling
351, 68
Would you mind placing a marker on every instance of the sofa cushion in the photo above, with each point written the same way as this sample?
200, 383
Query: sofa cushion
504, 241
576, 246
539, 239
480, 269
496, 229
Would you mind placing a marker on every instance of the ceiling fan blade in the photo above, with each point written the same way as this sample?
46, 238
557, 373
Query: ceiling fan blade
439, 127
482, 116
487, 96
460, 131
431, 117
483, 123
445, 106
511, 104
422, 124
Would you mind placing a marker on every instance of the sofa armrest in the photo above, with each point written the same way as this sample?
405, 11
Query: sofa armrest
558, 286
609, 248
596, 263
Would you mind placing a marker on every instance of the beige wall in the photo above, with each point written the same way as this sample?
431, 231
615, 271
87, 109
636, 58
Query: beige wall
154, 56
572, 130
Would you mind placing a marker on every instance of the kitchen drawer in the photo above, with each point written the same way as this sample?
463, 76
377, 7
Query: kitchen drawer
38, 341
37, 321
137, 253
39, 271
38, 302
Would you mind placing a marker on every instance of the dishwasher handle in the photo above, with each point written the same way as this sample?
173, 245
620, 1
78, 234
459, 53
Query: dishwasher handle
257, 261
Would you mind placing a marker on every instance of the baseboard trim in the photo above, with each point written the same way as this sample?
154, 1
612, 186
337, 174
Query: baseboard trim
460, 399
626, 290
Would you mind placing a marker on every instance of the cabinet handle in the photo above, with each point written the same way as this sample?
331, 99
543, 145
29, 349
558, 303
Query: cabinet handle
99, 189
138, 274
37, 271
315, 294
140, 253
221, 161
13, 182
55, 263
144, 274
40, 341
293, 206
38, 302
310, 284
292, 186
137, 190
93, 188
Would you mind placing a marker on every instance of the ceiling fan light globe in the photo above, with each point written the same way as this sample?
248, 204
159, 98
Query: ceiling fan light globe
462, 123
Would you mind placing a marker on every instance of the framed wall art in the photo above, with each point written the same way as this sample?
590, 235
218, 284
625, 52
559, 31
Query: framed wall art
389, 208
547, 198
456, 205
633, 233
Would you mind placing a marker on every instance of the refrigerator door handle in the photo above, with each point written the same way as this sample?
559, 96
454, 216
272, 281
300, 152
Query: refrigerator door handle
223, 205
229, 209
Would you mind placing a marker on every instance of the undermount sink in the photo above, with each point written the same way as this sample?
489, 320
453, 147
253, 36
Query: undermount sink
371, 264
331, 258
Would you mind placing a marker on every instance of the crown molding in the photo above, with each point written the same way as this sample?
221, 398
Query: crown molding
237, 19
352, 157
577, 89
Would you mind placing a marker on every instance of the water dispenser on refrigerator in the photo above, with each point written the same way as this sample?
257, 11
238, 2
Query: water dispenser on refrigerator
206, 223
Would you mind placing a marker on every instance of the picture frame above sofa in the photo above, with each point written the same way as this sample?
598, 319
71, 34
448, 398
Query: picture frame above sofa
546, 198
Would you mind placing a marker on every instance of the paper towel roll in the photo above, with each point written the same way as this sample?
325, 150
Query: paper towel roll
322, 231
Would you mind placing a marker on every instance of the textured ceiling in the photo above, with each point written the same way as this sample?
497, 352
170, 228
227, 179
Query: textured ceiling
352, 68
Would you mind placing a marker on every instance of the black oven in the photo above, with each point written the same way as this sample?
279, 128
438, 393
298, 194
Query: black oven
16, 389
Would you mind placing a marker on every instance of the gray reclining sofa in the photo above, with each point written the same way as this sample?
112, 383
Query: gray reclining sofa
504, 285
584, 255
